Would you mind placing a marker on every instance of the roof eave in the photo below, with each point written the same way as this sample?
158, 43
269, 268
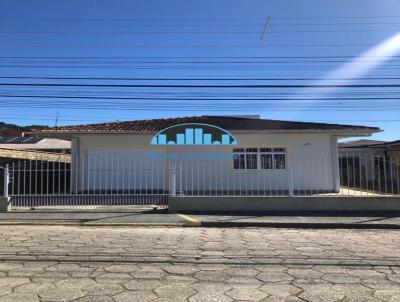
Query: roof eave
352, 133
342, 133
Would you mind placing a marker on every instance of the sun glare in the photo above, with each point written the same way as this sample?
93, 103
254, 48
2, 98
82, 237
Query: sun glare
356, 68
366, 62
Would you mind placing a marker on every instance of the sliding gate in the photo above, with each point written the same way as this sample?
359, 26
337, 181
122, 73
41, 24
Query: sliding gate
104, 178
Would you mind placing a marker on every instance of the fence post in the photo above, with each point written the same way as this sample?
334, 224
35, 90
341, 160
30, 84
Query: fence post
173, 181
180, 192
291, 193
6, 181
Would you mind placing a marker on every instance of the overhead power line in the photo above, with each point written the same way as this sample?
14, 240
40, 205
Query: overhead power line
108, 118
273, 32
192, 57
202, 108
186, 67
205, 86
83, 97
47, 62
200, 18
207, 25
227, 60
189, 79
186, 46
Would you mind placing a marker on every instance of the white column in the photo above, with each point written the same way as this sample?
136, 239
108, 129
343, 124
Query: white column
335, 163
74, 164
6, 181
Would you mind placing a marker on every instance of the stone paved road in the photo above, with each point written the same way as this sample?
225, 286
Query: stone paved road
102, 264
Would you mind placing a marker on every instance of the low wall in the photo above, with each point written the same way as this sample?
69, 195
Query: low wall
283, 204
4, 204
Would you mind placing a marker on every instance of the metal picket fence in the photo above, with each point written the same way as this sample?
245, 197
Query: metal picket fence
365, 174
148, 180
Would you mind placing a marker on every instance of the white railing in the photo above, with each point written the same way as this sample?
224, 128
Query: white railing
365, 174
149, 179
215, 175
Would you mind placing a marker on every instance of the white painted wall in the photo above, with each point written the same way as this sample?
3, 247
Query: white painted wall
311, 156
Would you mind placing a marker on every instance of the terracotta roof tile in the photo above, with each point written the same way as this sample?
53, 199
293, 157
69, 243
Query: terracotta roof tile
360, 143
225, 122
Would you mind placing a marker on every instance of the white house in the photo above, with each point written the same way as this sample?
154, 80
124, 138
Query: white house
206, 155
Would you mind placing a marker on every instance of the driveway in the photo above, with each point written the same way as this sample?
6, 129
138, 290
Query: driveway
71, 263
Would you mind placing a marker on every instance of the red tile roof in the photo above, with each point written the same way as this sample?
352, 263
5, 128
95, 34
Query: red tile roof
225, 122
360, 143
365, 143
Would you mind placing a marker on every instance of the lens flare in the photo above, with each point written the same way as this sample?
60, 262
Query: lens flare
358, 67
367, 61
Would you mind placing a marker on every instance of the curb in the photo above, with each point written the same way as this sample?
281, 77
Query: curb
192, 224
133, 224
298, 225
210, 224
189, 221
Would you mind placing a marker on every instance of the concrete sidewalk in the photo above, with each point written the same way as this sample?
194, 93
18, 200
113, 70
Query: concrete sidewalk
148, 217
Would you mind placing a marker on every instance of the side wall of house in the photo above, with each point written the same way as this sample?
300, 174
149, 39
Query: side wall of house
124, 161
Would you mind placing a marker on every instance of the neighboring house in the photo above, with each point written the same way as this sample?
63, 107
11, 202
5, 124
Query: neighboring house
370, 163
371, 147
17, 149
40, 153
359, 143
361, 146
36, 144
391, 149
208, 154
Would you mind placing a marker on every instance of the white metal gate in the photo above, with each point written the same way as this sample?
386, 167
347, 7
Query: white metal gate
101, 178
124, 171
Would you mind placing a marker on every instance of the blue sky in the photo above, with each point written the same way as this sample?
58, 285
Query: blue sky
194, 39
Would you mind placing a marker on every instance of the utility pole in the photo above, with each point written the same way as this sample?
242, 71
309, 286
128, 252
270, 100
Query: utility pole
56, 121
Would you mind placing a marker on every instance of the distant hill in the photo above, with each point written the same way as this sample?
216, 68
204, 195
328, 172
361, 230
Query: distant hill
15, 130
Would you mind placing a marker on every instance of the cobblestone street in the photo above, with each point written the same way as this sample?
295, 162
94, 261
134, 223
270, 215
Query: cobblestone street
101, 264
